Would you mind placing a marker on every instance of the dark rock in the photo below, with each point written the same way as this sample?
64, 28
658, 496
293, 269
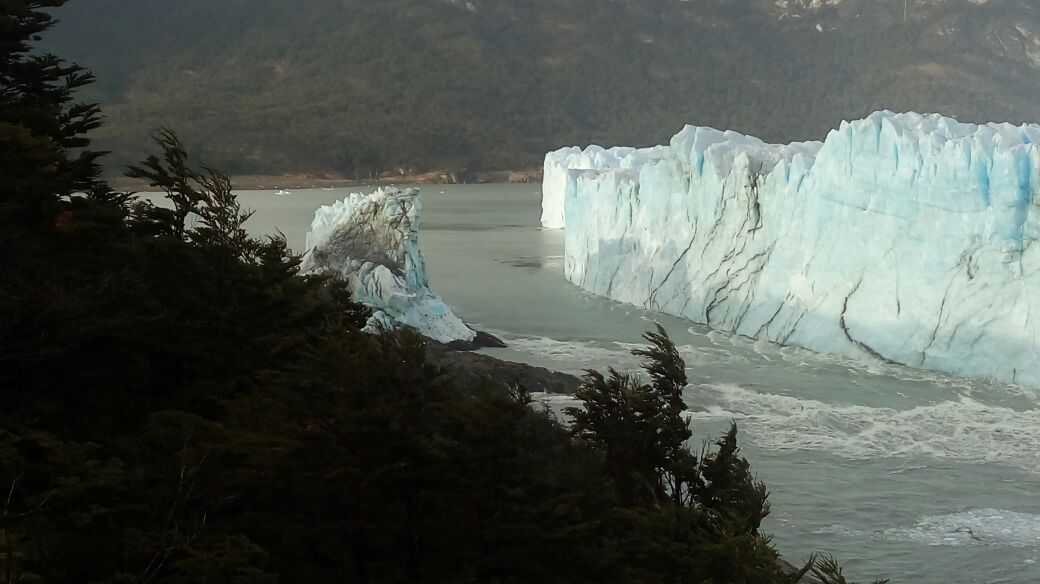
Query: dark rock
481, 341
469, 368
489, 340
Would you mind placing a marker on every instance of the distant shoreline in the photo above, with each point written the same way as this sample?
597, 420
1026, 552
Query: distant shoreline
253, 182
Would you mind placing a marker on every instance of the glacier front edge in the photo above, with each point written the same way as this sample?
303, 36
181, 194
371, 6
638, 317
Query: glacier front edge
902, 237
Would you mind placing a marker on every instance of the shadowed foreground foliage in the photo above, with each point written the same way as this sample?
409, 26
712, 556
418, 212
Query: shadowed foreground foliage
178, 405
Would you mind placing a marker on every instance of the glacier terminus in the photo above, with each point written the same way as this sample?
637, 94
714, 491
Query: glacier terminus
906, 238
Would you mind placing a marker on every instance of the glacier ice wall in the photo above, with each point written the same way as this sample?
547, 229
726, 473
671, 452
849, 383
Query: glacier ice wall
903, 237
372, 241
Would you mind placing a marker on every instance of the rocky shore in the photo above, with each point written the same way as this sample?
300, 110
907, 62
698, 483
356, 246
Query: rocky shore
468, 368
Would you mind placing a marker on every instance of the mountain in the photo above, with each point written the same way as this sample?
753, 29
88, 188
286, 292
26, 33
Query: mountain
357, 87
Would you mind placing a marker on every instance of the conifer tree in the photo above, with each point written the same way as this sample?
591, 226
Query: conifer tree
639, 427
43, 143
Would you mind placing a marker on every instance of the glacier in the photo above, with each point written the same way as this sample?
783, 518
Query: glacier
372, 242
901, 237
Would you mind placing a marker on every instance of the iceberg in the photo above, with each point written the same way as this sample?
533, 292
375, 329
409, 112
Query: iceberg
907, 238
372, 242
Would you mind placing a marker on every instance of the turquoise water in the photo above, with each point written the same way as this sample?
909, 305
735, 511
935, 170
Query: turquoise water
912, 475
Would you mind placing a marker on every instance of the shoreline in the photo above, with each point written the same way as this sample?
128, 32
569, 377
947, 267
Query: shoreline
259, 182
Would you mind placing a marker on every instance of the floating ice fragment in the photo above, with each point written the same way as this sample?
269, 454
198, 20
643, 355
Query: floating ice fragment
372, 241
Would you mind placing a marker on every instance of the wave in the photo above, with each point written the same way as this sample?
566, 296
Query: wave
962, 429
576, 356
709, 349
959, 419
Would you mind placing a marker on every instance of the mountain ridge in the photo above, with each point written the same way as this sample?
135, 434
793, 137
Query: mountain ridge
359, 88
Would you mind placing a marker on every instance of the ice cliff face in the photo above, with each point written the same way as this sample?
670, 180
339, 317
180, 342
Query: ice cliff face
903, 237
372, 241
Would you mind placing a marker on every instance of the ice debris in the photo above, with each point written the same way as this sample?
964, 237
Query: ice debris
372, 241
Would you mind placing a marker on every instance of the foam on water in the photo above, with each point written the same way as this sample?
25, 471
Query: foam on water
707, 351
572, 357
576, 356
956, 426
962, 429
974, 527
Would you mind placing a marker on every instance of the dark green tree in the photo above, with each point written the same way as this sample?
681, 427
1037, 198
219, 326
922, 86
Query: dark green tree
689, 517
43, 144
639, 427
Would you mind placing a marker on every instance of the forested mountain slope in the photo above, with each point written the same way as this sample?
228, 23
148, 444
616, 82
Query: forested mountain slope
363, 86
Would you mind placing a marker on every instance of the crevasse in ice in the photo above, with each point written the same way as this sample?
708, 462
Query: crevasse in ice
372, 241
903, 237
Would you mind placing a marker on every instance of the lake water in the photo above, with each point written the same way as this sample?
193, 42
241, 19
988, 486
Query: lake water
917, 476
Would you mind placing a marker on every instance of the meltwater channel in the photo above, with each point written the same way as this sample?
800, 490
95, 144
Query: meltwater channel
916, 476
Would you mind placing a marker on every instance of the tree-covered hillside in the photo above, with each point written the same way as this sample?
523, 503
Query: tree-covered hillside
356, 86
